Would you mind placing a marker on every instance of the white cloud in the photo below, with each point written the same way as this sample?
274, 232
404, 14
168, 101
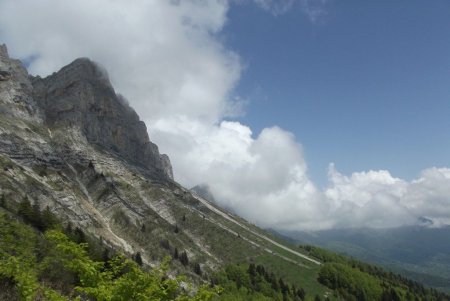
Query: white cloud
376, 199
162, 56
276, 7
315, 10
168, 61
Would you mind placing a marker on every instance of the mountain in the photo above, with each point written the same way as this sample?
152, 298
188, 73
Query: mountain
70, 143
204, 192
80, 180
419, 252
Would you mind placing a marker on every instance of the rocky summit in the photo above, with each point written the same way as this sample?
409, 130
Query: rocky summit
80, 96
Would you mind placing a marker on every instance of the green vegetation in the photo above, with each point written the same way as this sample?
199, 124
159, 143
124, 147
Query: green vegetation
417, 252
355, 280
39, 260
51, 266
349, 282
254, 282
42, 260
306, 277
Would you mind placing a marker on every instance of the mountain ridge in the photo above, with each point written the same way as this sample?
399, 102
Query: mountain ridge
67, 156
70, 145
81, 95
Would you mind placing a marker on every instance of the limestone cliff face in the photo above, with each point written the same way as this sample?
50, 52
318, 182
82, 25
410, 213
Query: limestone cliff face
15, 89
80, 96
71, 143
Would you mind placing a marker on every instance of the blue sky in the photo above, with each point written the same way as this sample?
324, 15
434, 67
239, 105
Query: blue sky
366, 86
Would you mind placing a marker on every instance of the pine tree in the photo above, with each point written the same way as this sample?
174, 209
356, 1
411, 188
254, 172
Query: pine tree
48, 219
3, 201
197, 269
184, 258
274, 284
175, 253
91, 164
25, 210
301, 293
251, 270
394, 295
261, 270
36, 219
105, 255
138, 258
79, 236
68, 230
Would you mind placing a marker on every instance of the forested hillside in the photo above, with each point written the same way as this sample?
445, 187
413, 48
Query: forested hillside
42, 260
354, 280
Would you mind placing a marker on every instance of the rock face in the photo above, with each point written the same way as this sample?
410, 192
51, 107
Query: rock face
80, 96
71, 143
15, 88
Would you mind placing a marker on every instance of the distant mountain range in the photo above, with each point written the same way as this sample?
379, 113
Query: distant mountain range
420, 252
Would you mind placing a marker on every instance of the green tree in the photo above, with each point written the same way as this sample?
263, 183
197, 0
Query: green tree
124, 280
2, 201
197, 269
138, 258
184, 258
48, 219
24, 210
36, 218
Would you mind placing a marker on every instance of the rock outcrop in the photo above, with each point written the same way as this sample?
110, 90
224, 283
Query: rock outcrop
15, 89
81, 96
71, 143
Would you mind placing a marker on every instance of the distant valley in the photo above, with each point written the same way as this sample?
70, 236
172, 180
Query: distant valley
420, 252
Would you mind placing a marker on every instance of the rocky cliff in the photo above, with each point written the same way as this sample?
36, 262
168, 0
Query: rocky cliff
15, 89
80, 96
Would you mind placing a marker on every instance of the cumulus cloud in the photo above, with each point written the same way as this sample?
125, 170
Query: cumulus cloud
167, 59
162, 55
376, 199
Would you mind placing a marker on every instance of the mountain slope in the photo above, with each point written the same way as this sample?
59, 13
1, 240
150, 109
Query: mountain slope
70, 143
